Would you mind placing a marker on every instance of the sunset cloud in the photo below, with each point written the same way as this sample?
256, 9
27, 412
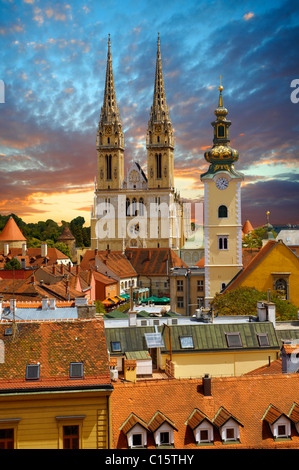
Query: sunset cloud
53, 64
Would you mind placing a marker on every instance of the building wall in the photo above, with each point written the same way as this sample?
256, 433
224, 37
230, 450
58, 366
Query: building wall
39, 426
218, 364
192, 293
279, 260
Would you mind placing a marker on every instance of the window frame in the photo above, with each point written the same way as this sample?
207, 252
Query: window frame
180, 302
113, 348
223, 240
180, 285
31, 366
263, 335
81, 376
230, 335
185, 337
220, 214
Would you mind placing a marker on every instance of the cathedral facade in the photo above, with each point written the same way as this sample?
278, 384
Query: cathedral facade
137, 209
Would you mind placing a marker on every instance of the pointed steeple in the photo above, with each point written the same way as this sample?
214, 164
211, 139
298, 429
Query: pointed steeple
109, 113
159, 141
159, 110
110, 138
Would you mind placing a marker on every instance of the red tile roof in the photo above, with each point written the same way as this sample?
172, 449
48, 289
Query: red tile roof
11, 232
108, 262
247, 227
153, 261
245, 398
33, 256
54, 345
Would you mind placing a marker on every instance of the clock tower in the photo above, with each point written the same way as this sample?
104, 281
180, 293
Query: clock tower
222, 208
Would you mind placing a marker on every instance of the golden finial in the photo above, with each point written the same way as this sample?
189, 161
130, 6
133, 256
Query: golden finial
220, 87
268, 213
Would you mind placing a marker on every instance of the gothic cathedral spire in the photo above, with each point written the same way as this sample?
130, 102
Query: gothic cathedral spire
160, 142
110, 139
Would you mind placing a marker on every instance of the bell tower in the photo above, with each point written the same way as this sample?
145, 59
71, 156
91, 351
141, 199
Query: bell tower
159, 142
222, 208
110, 139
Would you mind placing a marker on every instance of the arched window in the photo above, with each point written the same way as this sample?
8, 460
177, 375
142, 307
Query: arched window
220, 131
141, 206
159, 165
281, 288
109, 166
134, 206
222, 212
128, 207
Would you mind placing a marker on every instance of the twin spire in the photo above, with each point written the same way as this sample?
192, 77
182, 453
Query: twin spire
110, 112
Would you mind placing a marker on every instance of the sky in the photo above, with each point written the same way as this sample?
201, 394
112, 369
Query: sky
52, 72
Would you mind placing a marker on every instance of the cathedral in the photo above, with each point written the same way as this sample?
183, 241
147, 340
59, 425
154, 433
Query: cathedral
137, 209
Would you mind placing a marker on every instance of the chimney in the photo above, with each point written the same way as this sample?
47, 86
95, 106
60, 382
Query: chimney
44, 250
6, 249
266, 312
24, 249
54, 269
52, 304
61, 268
149, 255
207, 385
45, 303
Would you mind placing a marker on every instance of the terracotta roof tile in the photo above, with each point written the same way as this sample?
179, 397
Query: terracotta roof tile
11, 232
54, 345
108, 262
247, 227
153, 261
246, 398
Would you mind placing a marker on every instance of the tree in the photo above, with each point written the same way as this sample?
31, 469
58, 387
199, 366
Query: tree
254, 239
13, 264
243, 301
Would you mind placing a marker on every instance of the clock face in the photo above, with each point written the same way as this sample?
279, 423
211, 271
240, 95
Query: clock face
222, 183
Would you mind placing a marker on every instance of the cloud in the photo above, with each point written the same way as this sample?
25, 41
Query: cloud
248, 16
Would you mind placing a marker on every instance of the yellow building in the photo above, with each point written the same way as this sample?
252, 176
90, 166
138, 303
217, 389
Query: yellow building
274, 267
222, 209
136, 210
54, 385
187, 289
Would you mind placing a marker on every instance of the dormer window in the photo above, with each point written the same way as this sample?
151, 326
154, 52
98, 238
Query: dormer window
263, 339
279, 423
228, 426
136, 431
163, 429
202, 427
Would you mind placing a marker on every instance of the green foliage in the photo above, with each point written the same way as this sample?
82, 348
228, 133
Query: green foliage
13, 264
254, 239
48, 231
99, 306
243, 301
64, 249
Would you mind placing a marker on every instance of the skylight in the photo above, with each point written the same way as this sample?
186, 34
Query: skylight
186, 342
263, 339
154, 340
115, 346
233, 340
32, 372
76, 370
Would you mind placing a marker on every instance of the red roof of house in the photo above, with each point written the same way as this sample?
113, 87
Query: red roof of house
244, 399
108, 262
247, 227
54, 345
11, 232
154, 261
